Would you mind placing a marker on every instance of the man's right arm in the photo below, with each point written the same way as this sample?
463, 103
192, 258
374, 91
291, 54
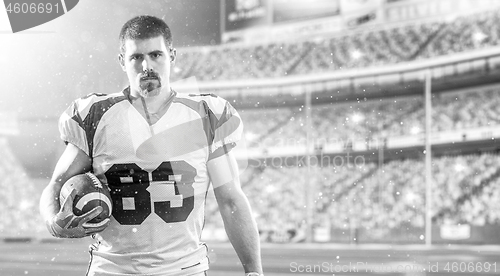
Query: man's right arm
72, 162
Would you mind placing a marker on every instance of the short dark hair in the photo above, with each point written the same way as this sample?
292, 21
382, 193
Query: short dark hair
144, 27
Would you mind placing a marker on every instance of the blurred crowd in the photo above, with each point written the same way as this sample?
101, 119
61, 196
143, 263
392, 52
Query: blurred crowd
382, 197
18, 199
372, 120
370, 195
360, 49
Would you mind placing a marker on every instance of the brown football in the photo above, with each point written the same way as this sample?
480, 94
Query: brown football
90, 193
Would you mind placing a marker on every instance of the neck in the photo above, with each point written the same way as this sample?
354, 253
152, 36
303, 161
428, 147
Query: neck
152, 108
152, 101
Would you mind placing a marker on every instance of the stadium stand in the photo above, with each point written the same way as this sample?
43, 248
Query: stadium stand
361, 49
372, 119
19, 198
383, 198
387, 197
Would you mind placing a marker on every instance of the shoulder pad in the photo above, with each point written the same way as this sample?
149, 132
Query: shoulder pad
203, 95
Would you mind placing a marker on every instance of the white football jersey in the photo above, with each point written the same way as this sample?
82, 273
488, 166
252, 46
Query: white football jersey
157, 176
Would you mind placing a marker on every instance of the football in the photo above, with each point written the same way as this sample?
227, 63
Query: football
90, 193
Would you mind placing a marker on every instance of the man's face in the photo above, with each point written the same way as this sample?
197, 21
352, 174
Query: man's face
147, 63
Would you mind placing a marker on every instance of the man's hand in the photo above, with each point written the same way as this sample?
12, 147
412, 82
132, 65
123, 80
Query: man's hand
66, 224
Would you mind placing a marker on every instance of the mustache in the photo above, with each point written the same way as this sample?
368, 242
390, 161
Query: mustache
149, 75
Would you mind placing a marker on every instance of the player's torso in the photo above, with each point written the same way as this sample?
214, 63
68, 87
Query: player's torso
158, 180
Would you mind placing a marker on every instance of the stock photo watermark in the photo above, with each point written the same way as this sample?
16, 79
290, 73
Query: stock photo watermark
340, 160
291, 152
406, 268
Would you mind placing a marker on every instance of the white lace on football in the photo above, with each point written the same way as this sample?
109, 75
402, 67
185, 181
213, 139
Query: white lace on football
95, 180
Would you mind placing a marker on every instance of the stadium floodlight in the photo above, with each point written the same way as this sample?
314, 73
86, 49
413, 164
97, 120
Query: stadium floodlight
479, 36
270, 189
415, 130
356, 54
250, 136
357, 117
459, 167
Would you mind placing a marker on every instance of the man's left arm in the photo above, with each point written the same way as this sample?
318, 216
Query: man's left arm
235, 210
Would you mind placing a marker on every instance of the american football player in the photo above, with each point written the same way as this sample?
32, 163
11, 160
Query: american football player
157, 151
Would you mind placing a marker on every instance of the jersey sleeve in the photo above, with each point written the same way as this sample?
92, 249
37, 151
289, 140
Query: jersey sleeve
228, 126
71, 128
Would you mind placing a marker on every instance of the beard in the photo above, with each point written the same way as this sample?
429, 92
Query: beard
149, 84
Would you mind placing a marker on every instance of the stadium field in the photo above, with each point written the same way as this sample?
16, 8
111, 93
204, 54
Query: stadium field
69, 258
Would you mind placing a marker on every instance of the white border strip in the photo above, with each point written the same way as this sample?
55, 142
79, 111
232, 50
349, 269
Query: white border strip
63, 3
